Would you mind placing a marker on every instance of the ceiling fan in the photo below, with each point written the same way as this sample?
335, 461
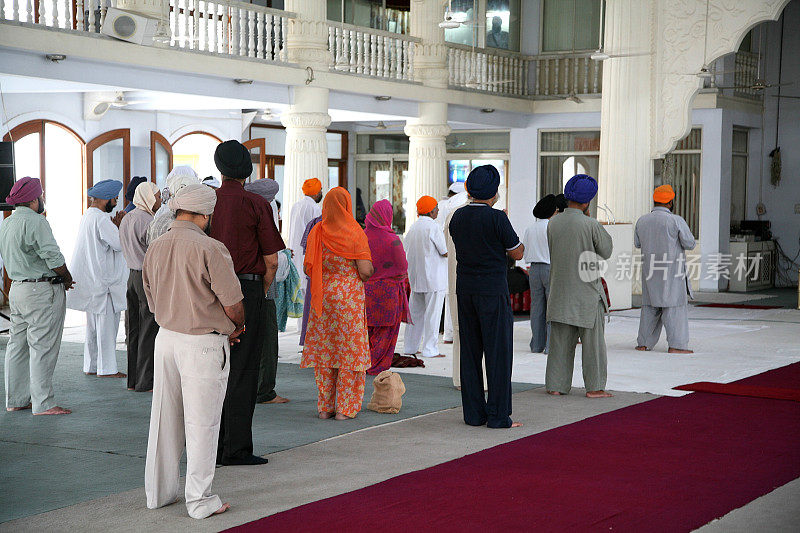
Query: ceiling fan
600, 54
705, 71
119, 102
380, 125
449, 23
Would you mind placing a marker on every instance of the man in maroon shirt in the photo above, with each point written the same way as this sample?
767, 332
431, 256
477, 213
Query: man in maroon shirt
243, 222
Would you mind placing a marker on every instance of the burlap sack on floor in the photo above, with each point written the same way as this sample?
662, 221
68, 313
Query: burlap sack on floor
388, 394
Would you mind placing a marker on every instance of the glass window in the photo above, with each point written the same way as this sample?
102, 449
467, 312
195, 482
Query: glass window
335, 145
739, 177
63, 162
162, 165
26, 156
569, 25
459, 169
108, 163
463, 11
681, 169
274, 137
333, 177
382, 144
387, 15
502, 24
484, 141
564, 154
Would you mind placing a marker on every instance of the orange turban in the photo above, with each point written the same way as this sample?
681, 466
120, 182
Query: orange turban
426, 204
663, 194
312, 187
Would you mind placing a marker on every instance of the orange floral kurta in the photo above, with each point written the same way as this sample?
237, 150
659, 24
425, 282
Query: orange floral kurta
337, 338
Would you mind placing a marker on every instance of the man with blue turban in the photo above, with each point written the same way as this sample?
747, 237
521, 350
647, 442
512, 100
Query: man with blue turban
101, 277
577, 302
483, 238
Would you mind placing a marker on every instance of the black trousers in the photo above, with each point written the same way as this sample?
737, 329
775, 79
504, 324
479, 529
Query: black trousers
486, 325
268, 369
236, 431
141, 330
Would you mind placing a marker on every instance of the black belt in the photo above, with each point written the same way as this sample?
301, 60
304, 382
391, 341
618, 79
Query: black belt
250, 277
48, 279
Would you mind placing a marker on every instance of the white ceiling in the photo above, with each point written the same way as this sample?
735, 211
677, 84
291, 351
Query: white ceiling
170, 101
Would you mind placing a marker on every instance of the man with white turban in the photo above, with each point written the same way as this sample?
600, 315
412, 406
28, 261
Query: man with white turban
179, 177
192, 288
141, 327
100, 279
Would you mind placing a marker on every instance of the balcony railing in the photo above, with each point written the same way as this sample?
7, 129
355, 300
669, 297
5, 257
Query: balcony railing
371, 52
229, 28
512, 74
745, 75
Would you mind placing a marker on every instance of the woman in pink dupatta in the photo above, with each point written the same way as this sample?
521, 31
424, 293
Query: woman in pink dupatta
387, 303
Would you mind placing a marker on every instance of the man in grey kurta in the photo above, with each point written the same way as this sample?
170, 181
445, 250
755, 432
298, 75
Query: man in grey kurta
664, 238
39, 278
577, 303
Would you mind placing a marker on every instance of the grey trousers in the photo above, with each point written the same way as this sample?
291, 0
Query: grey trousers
539, 277
37, 323
561, 359
674, 319
191, 376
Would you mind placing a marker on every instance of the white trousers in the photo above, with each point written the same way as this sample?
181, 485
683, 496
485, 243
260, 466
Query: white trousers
100, 349
426, 312
190, 379
449, 332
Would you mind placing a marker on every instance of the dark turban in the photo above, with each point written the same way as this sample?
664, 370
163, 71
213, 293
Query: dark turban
233, 160
561, 202
580, 188
131, 190
267, 188
546, 207
482, 182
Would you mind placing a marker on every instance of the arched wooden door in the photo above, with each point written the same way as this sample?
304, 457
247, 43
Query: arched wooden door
258, 154
160, 159
55, 154
108, 156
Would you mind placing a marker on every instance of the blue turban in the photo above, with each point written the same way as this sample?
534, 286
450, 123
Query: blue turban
105, 190
482, 182
580, 188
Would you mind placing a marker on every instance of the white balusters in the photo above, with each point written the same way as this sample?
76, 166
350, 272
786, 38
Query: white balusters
195, 42
78, 15
251, 26
92, 21
353, 50
260, 35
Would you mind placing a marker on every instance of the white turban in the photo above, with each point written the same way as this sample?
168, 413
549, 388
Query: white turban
181, 176
195, 198
144, 196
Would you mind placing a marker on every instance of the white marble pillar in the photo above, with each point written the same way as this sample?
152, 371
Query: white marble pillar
306, 122
307, 35
427, 155
430, 55
625, 176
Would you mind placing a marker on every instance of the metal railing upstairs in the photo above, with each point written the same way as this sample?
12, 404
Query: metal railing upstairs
377, 53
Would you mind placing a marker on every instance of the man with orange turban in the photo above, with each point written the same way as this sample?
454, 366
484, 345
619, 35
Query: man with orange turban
664, 238
304, 211
426, 251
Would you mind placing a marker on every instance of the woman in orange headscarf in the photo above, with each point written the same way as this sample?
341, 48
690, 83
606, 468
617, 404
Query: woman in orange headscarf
338, 261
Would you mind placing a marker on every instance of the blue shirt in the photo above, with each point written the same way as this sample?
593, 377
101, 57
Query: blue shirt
482, 236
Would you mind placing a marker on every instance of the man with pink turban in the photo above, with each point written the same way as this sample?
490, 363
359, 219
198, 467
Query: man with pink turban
39, 279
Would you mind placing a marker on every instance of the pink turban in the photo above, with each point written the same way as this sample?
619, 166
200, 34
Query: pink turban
25, 190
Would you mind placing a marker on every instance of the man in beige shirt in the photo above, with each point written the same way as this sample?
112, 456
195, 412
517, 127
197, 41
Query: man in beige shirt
192, 289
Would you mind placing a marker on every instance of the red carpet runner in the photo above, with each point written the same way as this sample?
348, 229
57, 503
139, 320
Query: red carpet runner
670, 464
779, 384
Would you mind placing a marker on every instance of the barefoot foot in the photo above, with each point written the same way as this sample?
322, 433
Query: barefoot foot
324, 416
225, 507
278, 399
554, 393
598, 394
10, 409
340, 416
643, 348
117, 375
676, 350
90, 373
54, 411
516, 424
